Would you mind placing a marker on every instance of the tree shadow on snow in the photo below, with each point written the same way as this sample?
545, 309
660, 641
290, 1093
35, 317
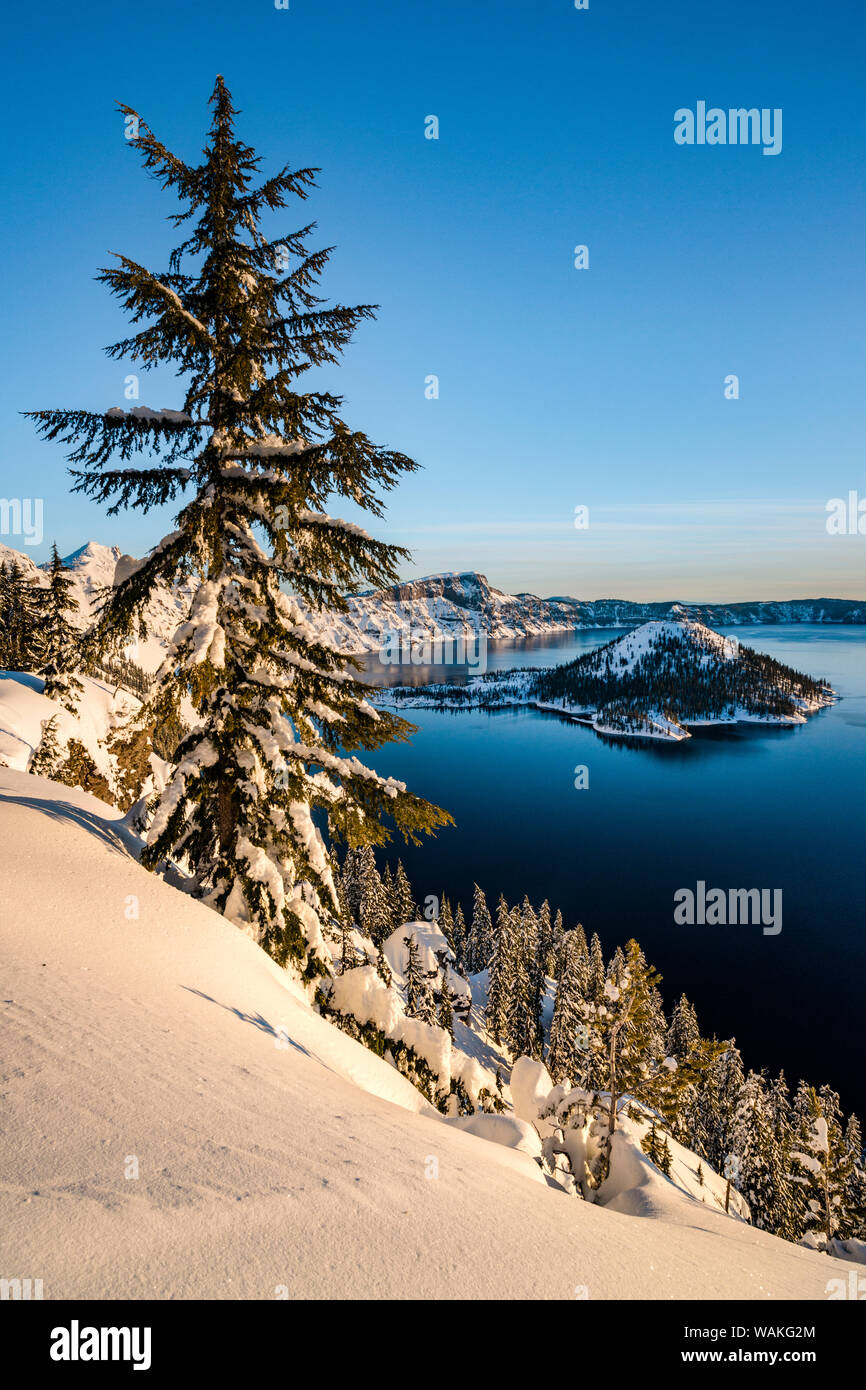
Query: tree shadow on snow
257, 1021
116, 839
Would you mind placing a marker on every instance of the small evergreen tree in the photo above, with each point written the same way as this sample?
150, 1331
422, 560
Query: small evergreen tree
419, 997
48, 757
446, 1004
383, 969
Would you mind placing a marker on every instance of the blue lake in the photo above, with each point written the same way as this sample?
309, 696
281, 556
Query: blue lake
737, 808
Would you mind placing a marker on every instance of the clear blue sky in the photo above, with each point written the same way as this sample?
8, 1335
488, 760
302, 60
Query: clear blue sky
558, 387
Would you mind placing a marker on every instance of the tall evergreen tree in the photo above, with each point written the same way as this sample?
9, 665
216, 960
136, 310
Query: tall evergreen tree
854, 1223
557, 944
373, 907
518, 1035
446, 922
21, 643
280, 712
683, 1033
62, 640
546, 956
570, 1037
822, 1161
763, 1164
597, 972
459, 940
404, 903
501, 978
481, 934
531, 927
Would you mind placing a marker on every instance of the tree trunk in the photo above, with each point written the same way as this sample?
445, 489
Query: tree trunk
611, 1122
227, 816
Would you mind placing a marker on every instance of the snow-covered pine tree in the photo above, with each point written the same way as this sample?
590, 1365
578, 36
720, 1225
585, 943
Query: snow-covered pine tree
62, 640
855, 1188
280, 711
557, 942
446, 921
597, 972
822, 1162
387, 880
480, 944
460, 940
667, 1158
501, 979
545, 939
446, 1003
419, 997
383, 969
762, 1166
683, 1033
518, 1026
348, 954
48, 757
350, 877
719, 1098
403, 902
627, 1023
374, 911
785, 1203
570, 1038
21, 644
535, 950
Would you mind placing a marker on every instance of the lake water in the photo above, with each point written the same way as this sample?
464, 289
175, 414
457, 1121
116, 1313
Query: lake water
738, 808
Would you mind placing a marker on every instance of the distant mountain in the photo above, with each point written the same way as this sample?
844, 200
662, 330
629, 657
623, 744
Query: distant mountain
653, 682
460, 604
439, 606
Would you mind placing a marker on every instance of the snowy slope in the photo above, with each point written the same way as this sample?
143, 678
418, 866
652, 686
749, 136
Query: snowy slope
273, 1152
24, 709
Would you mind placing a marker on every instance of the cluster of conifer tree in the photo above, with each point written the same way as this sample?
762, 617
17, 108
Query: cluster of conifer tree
796, 1159
37, 631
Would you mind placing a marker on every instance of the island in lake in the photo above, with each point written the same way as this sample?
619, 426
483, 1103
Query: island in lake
658, 681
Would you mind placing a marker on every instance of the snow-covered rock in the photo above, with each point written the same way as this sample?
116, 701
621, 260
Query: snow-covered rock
434, 955
508, 1130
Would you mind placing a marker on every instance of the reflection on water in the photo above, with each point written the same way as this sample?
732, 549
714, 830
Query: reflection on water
502, 655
